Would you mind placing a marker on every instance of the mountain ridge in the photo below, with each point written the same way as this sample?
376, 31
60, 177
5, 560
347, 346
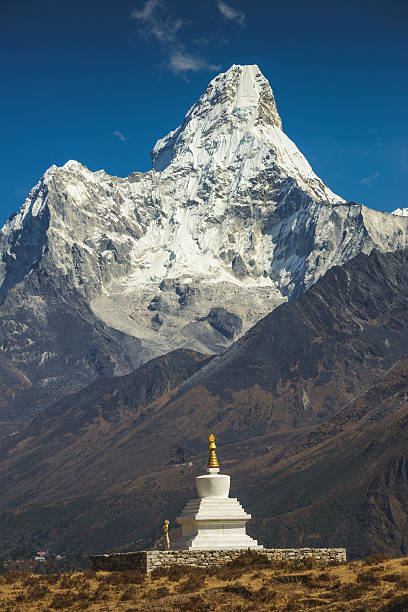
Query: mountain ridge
284, 407
232, 217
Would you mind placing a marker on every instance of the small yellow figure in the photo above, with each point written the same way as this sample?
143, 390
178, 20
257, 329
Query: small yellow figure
166, 533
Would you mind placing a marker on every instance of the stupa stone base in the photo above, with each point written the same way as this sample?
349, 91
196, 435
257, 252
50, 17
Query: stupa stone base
147, 560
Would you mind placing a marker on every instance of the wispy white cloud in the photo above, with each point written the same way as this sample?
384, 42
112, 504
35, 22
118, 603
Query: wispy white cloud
182, 62
203, 41
230, 13
157, 23
167, 31
377, 138
369, 179
147, 11
214, 39
121, 136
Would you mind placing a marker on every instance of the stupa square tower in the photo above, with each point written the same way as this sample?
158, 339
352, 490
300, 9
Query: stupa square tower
214, 521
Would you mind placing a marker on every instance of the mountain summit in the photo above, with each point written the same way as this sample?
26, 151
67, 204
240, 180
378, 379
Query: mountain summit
235, 125
99, 273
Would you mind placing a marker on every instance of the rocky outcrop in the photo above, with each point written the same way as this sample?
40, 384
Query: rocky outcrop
227, 323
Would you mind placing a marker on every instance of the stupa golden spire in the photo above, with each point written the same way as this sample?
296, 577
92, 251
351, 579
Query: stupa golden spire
212, 459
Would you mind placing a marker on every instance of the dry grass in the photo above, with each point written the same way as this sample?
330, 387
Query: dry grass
376, 584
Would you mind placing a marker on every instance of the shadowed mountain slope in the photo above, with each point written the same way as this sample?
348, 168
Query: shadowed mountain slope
346, 482
52, 344
109, 458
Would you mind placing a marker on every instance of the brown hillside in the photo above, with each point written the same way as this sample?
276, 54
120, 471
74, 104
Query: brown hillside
315, 454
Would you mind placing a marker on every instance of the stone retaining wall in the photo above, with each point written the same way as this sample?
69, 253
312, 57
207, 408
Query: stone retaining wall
147, 560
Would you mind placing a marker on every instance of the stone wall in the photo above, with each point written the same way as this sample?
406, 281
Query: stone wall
147, 560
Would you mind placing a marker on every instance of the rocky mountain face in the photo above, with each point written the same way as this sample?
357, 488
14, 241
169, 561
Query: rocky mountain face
52, 344
230, 222
309, 409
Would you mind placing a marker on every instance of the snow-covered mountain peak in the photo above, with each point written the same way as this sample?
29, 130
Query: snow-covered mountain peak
235, 127
400, 212
242, 94
235, 101
230, 222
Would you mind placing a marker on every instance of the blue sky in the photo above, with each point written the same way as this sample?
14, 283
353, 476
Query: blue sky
100, 82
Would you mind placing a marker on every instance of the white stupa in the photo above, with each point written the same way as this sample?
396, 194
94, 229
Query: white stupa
214, 521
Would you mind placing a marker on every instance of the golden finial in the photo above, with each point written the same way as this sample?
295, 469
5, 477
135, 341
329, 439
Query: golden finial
212, 459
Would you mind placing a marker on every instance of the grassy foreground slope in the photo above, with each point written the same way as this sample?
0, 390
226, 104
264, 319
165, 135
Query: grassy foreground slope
247, 583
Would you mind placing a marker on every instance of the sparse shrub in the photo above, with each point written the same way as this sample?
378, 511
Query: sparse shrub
192, 584
305, 564
403, 583
157, 593
173, 573
293, 604
314, 602
128, 593
336, 586
132, 577
85, 584
100, 594
308, 563
368, 578
397, 604
394, 577
238, 589
313, 582
51, 578
83, 595
377, 558
122, 578
265, 595
229, 573
293, 578
30, 581
196, 603
91, 574
65, 582
62, 600
176, 572
39, 591
249, 559
13, 577
72, 581
161, 572
324, 577
352, 590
